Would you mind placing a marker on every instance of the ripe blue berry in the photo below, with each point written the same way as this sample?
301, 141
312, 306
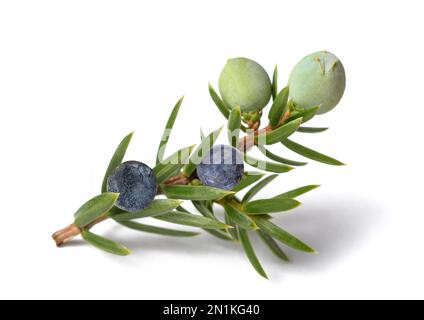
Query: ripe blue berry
222, 167
136, 184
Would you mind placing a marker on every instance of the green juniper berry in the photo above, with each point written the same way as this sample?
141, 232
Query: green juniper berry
212, 177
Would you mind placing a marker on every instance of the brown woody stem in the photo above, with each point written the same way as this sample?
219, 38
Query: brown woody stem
248, 141
179, 179
65, 235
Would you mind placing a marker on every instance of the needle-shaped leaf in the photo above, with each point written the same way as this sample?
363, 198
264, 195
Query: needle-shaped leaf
297, 192
258, 187
202, 207
221, 234
167, 132
188, 192
95, 208
192, 220
233, 232
248, 179
279, 107
240, 218
157, 207
200, 152
272, 245
250, 252
306, 115
209, 205
266, 165
277, 158
117, 158
172, 164
202, 135
177, 157
104, 244
270, 205
283, 236
158, 230
311, 129
205, 209
234, 123
274, 87
279, 134
218, 102
311, 154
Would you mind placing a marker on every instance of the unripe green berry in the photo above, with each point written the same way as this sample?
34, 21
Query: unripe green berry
244, 83
318, 79
196, 182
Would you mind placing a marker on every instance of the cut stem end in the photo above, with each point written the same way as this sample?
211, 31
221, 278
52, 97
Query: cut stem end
65, 235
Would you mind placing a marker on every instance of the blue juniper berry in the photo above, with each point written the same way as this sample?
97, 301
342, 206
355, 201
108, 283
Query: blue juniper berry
136, 184
222, 167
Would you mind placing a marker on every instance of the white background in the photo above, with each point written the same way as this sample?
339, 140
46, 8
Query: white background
76, 76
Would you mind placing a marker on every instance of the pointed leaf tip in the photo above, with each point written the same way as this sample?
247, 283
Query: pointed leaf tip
105, 244
279, 106
283, 236
250, 252
311, 154
197, 155
273, 205
311, 129
297, 192
167, 132
117, 158
219, 102
274, 84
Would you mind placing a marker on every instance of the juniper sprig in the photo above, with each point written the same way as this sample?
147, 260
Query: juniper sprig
214, 176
